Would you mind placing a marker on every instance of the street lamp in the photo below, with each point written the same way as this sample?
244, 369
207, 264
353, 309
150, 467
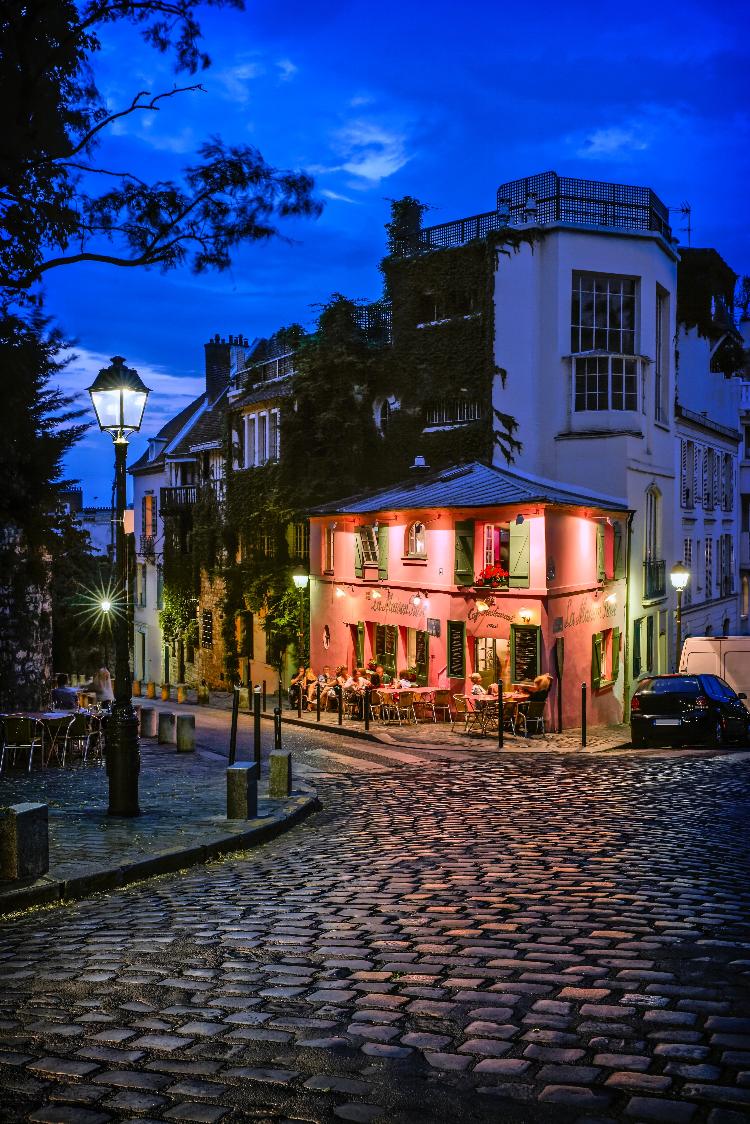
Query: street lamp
679, 576
119, 398
300, 577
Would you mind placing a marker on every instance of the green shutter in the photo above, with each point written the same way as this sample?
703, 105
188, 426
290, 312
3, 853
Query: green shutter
619, 550
456, 650
359, 570
518, 554
615, 654
596, 660
360, 643
383, 531
422, 658
637, 648
464, 562
601, 568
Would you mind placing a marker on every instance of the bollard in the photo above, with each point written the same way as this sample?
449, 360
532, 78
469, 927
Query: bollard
264, 697
166, 692
276, 728
367, 704
279, 776
500, 730
150, 689
203, 695
317, 703
148, 722
24, 841
256, 727
233, 728
166, 727
244, 697
242, 791
583, 715
137, 688
280, 706
340, 702
181, 693
300, 687
185, 733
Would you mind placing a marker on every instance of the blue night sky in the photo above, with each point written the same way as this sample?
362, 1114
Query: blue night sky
439, 101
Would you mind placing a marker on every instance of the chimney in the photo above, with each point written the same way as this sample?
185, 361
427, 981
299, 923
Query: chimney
223, 360
420, 466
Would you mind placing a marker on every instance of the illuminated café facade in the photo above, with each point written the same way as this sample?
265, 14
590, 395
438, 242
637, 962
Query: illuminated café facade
400, 576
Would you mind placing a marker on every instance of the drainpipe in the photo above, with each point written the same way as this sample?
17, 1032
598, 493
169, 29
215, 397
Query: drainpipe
626, 644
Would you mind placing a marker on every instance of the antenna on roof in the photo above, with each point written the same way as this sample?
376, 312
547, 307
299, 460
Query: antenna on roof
686, 211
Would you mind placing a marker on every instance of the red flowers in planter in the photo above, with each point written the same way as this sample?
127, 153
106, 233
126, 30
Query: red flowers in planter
493, 575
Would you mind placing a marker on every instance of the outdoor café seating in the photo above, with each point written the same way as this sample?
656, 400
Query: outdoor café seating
22, 734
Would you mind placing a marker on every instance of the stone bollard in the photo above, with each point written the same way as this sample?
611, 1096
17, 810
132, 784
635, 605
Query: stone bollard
148, 722
279, 775
181, 693
166, 692
242, 791
150, 689
244, 698
166, 727
203, 695
24, 841
136, 688
185, 733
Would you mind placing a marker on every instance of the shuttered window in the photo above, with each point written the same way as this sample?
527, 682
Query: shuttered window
464, 553
519, 554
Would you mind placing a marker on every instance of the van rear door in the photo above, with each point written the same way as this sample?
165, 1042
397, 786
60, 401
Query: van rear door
701, 663
736, 669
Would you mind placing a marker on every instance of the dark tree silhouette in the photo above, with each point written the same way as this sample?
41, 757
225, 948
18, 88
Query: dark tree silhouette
59, 205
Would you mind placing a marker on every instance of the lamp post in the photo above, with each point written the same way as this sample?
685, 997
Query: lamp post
119, 399
679, 576
300, 577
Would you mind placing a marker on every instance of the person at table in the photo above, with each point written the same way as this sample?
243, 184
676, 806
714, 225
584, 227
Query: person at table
101, 685
323, 680
385, 678
404, 682
376, 677
476, 684
296, 685
492, 689
63, 696
540, 687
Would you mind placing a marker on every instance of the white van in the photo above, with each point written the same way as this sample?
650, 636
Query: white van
726, 656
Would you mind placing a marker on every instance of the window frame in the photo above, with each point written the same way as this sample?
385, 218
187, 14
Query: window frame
412, 541
614, 335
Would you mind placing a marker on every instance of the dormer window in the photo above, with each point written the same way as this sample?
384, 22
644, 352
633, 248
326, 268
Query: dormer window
416, 540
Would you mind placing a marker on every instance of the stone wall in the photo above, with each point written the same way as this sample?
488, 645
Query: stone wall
25, 625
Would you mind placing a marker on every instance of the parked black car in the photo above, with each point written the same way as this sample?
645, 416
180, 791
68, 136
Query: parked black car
678, 709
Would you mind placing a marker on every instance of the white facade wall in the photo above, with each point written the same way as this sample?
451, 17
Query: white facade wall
627, 453
148, 654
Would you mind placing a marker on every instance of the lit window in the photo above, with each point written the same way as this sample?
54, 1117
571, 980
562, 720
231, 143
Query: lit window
328, 541
416, 543
301, 540
368, 544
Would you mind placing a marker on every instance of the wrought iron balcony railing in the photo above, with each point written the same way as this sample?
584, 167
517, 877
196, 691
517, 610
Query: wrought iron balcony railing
186, 495
148, 547
654, 578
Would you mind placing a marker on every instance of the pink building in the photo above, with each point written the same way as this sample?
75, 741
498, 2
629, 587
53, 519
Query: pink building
476, 568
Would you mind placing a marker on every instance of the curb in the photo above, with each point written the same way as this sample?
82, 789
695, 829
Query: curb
50, 891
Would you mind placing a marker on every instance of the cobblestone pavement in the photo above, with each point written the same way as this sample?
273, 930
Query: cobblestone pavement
529, 938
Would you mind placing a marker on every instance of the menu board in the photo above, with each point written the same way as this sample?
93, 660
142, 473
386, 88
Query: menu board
525, 646
456, 649
433, 626
420, 649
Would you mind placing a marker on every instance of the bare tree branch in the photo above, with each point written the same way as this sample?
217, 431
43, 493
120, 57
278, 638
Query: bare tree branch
134, 107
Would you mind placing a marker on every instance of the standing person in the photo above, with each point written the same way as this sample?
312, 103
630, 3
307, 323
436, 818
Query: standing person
101, 685
296, 685
63, 696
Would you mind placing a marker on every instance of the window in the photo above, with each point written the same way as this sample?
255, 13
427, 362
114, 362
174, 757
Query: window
745, 600
207, 629
250, 439
604, 382
262, 438
140, 584
603, 314
159, 587
687, 558
267, 543
747, 442
497, 545
727, 482
725, 575
708, 568
687, 474
661, 354
506, 554
368, 544
652, 524
148, 515
650, 643
301, 540
453, 411
416, 541
637, 630
273, 436
328, 555
605, 658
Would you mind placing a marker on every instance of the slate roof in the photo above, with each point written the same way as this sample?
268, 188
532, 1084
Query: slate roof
468, 485
207, 430
167, 433
264, 392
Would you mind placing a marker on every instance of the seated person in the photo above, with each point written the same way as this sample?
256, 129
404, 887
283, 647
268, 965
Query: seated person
328, 694
296, 685
376, 677
101, 685
493, 689
404, 682
539, 689
385, 678
476, 684
312, 687
63, 696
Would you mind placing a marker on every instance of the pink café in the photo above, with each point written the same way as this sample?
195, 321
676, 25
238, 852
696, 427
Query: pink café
476, 569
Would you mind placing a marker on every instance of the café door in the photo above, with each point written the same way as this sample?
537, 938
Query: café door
489, 654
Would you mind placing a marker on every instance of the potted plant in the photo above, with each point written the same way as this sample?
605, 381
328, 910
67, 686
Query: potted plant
493, 576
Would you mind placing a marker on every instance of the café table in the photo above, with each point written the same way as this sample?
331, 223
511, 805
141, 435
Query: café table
486, 708
390, 694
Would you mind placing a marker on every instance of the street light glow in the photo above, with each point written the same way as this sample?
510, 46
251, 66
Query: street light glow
105, 605
679, 576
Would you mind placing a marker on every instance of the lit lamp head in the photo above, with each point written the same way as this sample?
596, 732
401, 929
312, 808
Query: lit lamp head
300, 577
119, 399
679, 576
525, 615
105, 605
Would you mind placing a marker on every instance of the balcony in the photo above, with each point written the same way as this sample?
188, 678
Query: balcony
186, 496
147, 547
654, 579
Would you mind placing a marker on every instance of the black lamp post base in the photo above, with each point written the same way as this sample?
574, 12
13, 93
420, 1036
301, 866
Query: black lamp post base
123, 760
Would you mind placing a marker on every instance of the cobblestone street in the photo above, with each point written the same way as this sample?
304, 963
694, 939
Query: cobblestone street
543, 936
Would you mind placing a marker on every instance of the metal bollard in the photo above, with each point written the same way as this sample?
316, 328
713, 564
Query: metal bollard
256, 727
367, 704
148, 722
185, 733
280, 701
264, 697
300, 687
276, 728
500, 730
317, 704
233, 727
166, 727
583, 715
340, 702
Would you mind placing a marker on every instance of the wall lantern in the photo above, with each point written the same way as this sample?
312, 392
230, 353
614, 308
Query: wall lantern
376, 595
482, 607
525, 615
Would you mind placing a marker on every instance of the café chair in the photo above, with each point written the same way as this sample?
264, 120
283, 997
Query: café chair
465, 713
403, 705
23, 735
532, 713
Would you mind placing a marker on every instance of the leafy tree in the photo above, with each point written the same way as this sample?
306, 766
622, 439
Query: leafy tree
81, 632
60, 206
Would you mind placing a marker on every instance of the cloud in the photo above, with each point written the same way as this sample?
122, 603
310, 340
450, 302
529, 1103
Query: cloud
287, 69
335, 195
368, 151
612, 141
646, 129
234, 81
360, 99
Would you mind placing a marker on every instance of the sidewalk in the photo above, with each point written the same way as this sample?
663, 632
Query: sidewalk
182, 822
